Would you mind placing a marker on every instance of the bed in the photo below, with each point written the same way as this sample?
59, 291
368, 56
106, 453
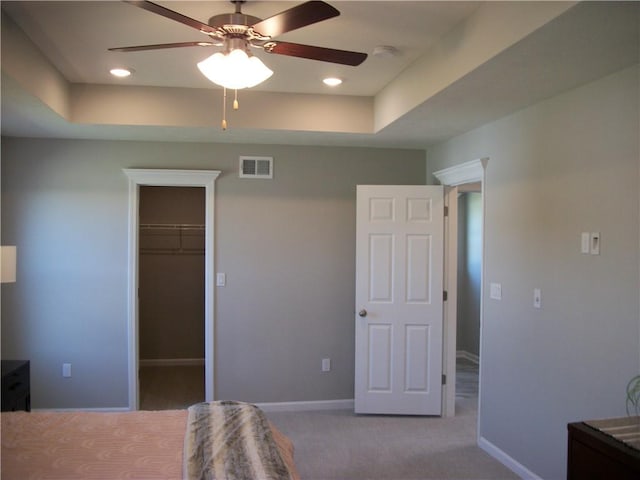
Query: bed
221, 440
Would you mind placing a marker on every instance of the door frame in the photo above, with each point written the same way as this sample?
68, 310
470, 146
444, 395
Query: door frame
452, 177
170, 178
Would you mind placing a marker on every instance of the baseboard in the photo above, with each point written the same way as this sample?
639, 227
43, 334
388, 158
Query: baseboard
506, 460
472, 357
102, 409
171, 362
346, 404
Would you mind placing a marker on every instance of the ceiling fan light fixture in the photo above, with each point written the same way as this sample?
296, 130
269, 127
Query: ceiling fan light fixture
332, 81
235, 70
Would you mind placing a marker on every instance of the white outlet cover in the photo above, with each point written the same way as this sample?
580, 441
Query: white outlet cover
326, 364
585, 240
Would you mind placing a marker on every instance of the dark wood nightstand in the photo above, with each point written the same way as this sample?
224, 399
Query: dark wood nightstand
596, 453
16, 389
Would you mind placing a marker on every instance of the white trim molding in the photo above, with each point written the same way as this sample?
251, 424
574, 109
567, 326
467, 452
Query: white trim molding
171, 178
98, 409
346, 404
506, 460
472, 171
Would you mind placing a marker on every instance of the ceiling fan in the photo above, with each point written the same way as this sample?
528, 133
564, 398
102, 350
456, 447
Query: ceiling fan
240, 31
235, 68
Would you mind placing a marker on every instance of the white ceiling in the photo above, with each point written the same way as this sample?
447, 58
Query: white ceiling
577, 46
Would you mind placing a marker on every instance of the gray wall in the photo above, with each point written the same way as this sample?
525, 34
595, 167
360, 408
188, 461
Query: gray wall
567, 165
469, 272
286, 245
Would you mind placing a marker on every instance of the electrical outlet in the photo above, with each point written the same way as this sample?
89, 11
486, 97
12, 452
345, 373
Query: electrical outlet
326, 364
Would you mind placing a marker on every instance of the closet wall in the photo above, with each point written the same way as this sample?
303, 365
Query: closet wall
171, 273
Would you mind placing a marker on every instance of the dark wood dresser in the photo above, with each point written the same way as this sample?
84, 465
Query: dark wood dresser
16, 389
604, 449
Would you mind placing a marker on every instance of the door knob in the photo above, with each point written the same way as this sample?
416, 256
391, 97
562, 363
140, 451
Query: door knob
362, 313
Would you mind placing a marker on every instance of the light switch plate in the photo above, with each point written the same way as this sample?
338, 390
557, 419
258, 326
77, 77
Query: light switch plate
221, 279
595, 243
495, 291
537, 298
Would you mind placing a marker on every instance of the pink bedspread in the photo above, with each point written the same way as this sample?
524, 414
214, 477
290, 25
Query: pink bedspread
99, 446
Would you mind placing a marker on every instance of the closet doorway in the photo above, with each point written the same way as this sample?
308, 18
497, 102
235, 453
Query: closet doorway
171, 296
170, 178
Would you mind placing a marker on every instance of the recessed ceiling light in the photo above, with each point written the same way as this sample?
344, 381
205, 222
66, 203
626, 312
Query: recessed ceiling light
121, 72
332, 81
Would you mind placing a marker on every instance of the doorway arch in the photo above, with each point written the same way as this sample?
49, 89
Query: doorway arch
170, 178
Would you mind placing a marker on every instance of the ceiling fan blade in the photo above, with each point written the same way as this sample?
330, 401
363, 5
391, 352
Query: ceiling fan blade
296, 17
159, 46
170, 14
323, 54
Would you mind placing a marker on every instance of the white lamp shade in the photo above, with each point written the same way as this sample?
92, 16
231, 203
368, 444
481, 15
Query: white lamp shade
8, 264
235, 70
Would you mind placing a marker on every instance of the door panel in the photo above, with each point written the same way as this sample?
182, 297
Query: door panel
381, 268
417, 358
418, 268
380, 358
399, 268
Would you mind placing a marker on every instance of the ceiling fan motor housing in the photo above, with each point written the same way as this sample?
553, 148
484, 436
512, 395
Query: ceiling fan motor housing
233, 19
235, 29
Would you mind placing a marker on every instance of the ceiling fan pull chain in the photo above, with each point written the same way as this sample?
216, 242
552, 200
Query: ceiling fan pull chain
224, 108
236, 105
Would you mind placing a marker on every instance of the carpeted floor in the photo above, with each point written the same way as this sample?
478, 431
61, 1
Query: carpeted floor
337, 444
340, 445
165, 388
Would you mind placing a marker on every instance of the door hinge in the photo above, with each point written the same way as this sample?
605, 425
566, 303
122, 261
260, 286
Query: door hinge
445, 296
444, 379
446, 211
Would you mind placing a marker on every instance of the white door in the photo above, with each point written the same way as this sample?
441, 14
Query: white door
399, 268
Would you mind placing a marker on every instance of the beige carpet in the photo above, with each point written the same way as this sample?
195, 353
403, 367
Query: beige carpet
338, 444
341, 445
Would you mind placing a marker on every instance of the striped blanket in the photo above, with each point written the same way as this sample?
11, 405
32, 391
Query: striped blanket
230, 441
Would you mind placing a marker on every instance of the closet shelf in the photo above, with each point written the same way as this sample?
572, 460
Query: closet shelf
171, 239
171, 226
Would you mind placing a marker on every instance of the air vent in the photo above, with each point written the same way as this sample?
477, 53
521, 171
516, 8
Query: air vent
256, 167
